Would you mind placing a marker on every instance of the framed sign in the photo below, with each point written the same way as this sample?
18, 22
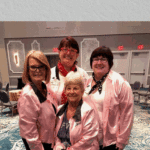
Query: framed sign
87, 47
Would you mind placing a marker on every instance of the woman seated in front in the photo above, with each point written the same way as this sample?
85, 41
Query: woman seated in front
77, 125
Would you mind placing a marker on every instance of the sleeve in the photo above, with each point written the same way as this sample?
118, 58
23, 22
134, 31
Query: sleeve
89, 139
28, 114
126, 115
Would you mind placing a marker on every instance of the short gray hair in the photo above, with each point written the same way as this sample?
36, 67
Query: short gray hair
74, 78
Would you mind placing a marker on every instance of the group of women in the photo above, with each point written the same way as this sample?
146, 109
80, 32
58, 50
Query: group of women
64, 109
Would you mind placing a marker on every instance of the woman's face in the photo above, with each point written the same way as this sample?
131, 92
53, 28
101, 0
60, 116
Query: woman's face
37, 71
100, 65
74, 93
68, 56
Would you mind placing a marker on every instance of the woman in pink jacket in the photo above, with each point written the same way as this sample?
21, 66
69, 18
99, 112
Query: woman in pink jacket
77, 124
112, 96
37, 105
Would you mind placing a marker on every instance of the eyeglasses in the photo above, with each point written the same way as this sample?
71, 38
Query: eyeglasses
72, 51
101, 59
34, 68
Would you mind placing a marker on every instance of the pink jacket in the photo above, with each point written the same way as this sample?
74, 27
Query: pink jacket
84, 134
36, 119
117, 110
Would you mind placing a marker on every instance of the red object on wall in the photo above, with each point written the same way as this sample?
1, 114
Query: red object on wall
140, 47
55, 49
120, 48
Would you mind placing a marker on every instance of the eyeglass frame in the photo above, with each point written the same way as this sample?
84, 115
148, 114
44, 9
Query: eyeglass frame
103, 59
65, 50
40, 68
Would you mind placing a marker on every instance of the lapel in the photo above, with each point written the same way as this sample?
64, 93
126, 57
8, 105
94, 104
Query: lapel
38, 93
88, 88
58, 122
107, 100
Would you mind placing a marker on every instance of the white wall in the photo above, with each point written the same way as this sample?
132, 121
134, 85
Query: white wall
50, 29
57, 29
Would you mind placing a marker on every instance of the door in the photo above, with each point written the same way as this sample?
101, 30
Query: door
139, 67
121, 63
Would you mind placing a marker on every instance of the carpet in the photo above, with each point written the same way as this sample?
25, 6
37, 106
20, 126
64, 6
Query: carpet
139, 138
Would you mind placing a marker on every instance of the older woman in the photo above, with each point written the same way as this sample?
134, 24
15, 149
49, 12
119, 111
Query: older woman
37, 105
77, 125
68, 53
112, 96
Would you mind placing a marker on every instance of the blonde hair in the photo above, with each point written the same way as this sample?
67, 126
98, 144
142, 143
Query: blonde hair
74, 78
38, 55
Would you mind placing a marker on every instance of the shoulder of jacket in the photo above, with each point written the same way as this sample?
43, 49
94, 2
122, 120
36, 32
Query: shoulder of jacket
28, 94
27, 90
86, 107
118, 81
116, 77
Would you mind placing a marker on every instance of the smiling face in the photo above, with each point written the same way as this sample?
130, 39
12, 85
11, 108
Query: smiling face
100, 66
38, 75
68, 58
74, 93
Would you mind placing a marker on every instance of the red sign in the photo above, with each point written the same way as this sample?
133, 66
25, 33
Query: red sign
120, 48
55, 49
140, 46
